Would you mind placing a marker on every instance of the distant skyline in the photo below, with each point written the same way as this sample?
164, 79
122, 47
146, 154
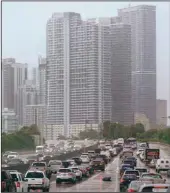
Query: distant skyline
24, 30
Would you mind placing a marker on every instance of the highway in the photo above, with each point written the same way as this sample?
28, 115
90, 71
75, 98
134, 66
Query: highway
95, 183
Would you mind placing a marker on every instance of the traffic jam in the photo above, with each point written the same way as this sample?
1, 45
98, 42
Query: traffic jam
140, 167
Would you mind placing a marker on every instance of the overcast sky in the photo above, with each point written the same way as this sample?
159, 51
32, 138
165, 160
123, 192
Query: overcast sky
24, 31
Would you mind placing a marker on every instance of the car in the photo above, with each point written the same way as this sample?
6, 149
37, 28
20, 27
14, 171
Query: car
126, 180
124, 167
162, 164
104, 157
85, 158
130, 162
89, 169
31, 159
66, 164
131, 159
152, 163
156, 177
154, 188
141, 170
42, 166
98, 164
54, 165
15, 162
7, 182
77, 160
136, 172
37, 179
12, 155
65, 175
21, 185
72, 162
78, 173
135, 185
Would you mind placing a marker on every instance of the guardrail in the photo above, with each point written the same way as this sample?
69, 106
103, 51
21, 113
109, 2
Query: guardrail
24, 167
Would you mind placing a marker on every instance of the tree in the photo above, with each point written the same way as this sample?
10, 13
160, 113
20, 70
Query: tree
89, 133
106, 129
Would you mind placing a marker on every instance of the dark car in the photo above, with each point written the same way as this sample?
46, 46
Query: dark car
7, 182
66, 164
126, 180
125, 167
77, 160
104, 157
88, 168
131, 159
130, 162
98, 164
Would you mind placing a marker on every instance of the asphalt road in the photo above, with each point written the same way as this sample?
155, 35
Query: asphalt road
95, 183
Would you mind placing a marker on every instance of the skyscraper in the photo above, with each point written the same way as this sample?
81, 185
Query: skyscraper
142, 19
26, 95
13, 76
77, 71
122, 111
42, 80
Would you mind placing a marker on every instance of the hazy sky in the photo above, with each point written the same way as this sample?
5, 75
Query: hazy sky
24, 30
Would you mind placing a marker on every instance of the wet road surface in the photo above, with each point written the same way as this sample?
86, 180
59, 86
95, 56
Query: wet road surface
95, 183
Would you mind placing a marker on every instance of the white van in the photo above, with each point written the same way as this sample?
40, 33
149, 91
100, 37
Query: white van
163, 164
39, 149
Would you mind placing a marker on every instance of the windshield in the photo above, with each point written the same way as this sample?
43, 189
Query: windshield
37, 164
54, 163
34, 175
39, 148
132, 172
64, 170
14, 176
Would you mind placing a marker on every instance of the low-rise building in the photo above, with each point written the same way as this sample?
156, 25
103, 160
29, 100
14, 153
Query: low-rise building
9, 121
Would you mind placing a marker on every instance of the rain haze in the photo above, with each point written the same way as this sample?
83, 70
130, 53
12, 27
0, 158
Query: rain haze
24, 31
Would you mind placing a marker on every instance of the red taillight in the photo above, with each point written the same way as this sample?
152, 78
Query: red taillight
121, 180
3, 185
131, 190
71, 174
43, 181
18, 184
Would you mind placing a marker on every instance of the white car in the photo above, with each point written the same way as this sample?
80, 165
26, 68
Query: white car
12, 155
77, 172
37, 180
162, 164
139, 151
65, 175
85, 158
21, 185
142, 155
108, 146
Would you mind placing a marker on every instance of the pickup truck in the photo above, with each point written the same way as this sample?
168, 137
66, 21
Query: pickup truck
41, 166
37, 180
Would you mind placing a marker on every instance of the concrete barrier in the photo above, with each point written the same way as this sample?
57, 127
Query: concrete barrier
24, 167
